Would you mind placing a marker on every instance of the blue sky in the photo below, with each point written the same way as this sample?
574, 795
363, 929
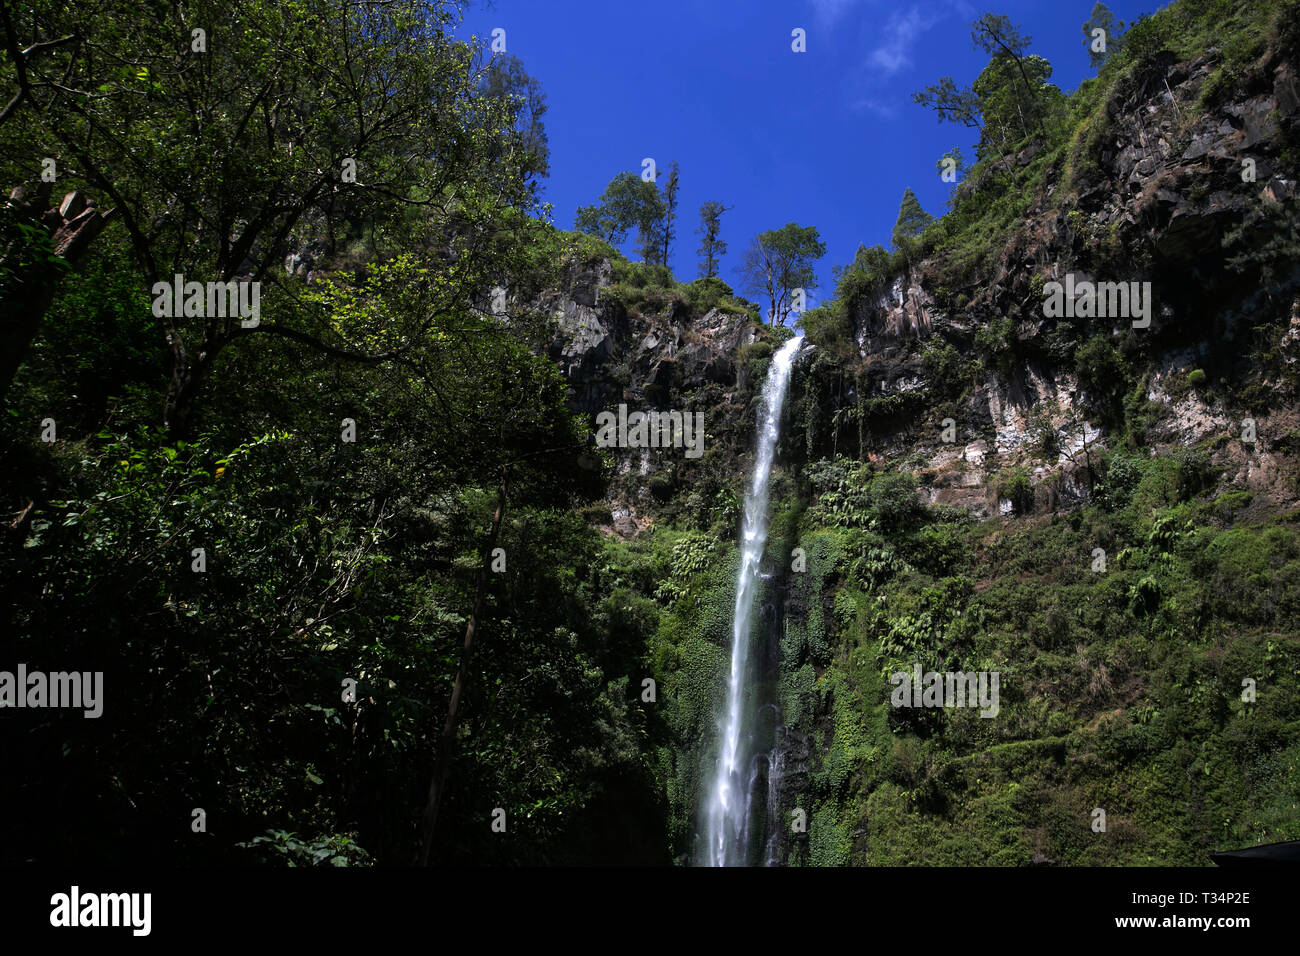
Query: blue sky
827, 138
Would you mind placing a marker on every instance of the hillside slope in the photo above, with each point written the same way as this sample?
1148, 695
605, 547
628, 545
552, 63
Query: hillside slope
1101, 509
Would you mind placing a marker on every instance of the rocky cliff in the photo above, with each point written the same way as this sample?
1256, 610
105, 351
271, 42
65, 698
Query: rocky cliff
950, 368
1173, 183
673, 357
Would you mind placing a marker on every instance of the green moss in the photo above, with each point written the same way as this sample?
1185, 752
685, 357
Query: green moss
1119, 690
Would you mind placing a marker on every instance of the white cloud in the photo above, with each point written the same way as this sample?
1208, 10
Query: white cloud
898, 37
828, 11
885, 109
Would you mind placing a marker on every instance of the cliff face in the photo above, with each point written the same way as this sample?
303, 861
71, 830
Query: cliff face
1170, 191
1183, 180
674, 358
1180, 184
1171, 195
611, 355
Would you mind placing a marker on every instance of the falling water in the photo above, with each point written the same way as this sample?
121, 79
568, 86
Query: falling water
727, 812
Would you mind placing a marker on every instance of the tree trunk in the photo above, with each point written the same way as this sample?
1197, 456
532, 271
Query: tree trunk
20, 317
447, 741
186, 378
72, 226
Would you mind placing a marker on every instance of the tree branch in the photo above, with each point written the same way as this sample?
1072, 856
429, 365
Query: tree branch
285, 331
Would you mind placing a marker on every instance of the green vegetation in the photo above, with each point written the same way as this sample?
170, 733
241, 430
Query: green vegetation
630, 202
273, 539
1121, 690
712, 247
1125, 680
349, 572
912, 219
1103, 35
779, 265
651, 288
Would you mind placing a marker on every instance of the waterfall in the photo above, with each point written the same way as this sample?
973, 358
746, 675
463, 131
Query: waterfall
727, 813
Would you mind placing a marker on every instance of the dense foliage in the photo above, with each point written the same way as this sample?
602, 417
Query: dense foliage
320, 558
275, 568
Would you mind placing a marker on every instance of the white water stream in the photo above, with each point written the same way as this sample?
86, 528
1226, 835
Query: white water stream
728, 809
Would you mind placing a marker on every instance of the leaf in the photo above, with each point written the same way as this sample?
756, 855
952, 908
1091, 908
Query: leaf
313, 778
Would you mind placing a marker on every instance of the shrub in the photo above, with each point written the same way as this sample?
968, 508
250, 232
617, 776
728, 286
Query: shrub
1101, 373
1015, 485
1122, 473
1227, 505
289, 849
830, 328
948, 370
1195, 472
894, 503
640, 275
661, 486
705, 294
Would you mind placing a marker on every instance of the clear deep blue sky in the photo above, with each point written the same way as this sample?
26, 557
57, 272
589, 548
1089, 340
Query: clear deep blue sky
827, 138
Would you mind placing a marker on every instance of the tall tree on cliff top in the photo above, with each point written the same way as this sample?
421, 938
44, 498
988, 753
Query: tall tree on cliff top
1010, 99
1105, 46
912, 219
778, 264
671, 186
996, 35
629, 202
712, 248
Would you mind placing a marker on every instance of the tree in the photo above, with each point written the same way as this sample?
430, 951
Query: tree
598, 221
994, 33
23, 61
862, 281
953, 104
628, 202
38, 246
952, 162
912, 219
1011, 115
348, 548
780, 261
670, 210
1011, 97
214, 154
447, 740
1111, 40
500, 423
712, 248
521, 98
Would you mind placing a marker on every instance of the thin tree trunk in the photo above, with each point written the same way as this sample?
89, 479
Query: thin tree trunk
446, 742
